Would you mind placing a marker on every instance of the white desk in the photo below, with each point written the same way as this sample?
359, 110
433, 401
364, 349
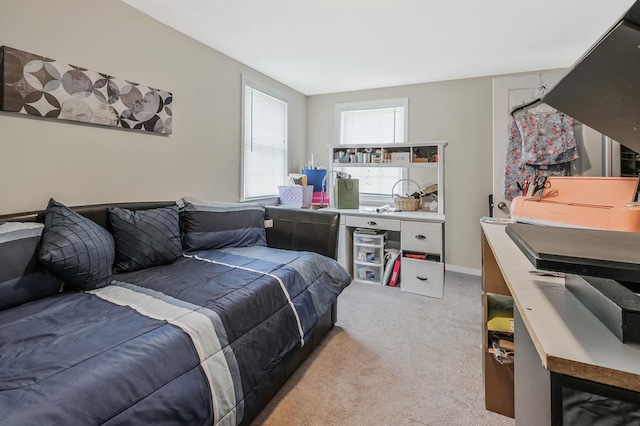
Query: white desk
420, 232
370, 212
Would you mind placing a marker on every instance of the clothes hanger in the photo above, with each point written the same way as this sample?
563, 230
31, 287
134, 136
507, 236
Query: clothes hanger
525, 105
540, 91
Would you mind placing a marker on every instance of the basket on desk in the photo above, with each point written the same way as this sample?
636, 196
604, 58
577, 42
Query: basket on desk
405, 203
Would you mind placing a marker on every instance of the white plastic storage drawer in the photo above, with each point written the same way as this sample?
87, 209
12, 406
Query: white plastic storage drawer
368, 254
368, 273
373, 223
367, 239
422, 277
423, 237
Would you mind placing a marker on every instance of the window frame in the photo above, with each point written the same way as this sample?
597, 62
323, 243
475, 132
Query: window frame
270, 91
374, 199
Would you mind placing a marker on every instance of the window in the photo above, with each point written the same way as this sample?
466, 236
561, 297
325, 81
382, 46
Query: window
371, 123
264, 152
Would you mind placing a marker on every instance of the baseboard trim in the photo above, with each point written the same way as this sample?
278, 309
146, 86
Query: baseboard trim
463, 270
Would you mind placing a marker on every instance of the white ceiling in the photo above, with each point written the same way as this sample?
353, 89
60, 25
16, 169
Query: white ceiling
327, 46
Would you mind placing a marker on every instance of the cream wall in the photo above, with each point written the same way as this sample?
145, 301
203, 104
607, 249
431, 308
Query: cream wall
80, 164
459, 112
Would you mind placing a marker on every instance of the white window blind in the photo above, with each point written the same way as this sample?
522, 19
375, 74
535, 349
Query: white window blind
265, 144
373, 123
380, 125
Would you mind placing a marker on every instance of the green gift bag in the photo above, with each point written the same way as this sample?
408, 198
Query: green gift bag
347, 194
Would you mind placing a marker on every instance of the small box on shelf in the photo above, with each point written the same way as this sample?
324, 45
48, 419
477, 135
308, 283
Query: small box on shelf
400, 157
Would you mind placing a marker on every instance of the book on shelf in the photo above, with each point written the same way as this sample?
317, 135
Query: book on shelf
390, 255
395, 274
420, 256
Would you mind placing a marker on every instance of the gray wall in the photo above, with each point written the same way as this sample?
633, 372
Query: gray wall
80, 164
459, 112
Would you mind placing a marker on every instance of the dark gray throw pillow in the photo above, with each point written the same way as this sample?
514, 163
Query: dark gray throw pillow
76, 249
145, 238
208, 225
22, 276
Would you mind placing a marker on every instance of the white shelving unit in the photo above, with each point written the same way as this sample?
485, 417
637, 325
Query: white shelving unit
421, 233
410, 155
368, 257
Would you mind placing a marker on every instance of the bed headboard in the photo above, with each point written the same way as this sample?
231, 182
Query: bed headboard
95, 212
293, 229
300, 229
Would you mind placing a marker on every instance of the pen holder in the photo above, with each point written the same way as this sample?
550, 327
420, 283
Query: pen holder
405, 203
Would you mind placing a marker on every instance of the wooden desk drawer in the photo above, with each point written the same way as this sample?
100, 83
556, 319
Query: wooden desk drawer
373, 223
422, 277
425, 237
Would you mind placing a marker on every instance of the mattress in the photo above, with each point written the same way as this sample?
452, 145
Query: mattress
193, 342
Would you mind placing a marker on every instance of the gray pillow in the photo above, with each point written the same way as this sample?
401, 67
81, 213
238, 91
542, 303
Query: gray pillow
145, 238
75, 248
209, 225
22, 276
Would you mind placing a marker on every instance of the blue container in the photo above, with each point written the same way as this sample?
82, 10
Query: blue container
315, 177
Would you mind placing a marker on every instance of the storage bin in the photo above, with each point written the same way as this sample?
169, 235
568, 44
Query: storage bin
296, 195
400, 157
370, 274
377, 240
368, 254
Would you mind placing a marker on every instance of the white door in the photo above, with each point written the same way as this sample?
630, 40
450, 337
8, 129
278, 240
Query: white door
509, 92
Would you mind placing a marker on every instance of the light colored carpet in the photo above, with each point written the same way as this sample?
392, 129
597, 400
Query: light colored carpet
393, 358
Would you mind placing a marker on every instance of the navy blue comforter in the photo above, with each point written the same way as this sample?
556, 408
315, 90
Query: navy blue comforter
190, 343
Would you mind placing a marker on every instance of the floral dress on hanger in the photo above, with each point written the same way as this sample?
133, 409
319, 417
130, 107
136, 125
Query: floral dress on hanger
540, 144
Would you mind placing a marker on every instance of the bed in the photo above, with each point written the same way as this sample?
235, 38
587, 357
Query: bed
206, 339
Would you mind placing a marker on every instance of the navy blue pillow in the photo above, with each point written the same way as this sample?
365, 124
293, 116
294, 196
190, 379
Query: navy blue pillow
22, 276
145, 238
76, 249
212, 225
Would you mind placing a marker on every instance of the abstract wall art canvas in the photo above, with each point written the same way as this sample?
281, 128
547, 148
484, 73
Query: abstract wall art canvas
43, 87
